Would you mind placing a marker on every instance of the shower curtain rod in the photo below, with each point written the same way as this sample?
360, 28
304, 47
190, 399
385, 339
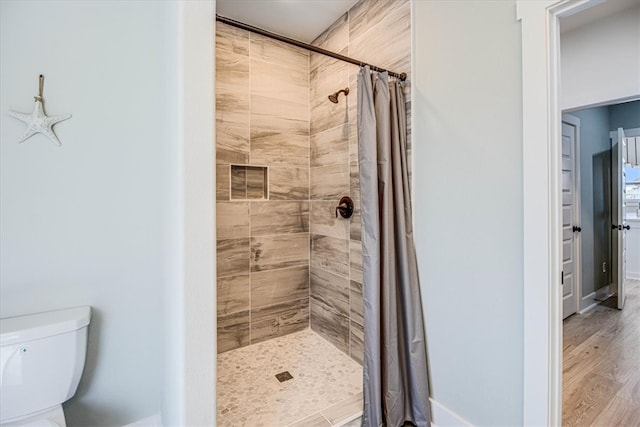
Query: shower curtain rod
242, 25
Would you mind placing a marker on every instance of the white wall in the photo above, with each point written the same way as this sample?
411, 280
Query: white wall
90, 223
468, 147
601, 61
633, 249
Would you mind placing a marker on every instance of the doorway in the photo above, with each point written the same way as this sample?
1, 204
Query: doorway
594, 216
599, 357
542, 110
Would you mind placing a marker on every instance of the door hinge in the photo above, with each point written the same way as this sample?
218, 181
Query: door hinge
562, 277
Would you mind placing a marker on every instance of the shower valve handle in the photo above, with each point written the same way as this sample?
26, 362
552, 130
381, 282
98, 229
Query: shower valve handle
345, 207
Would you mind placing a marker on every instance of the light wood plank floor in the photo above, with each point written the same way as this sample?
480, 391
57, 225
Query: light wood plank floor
601, 365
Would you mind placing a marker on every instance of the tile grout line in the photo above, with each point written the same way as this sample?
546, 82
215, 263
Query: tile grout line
348, 124
250, 203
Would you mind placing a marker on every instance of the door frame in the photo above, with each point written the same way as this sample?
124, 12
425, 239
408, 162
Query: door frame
577, 213
542, 222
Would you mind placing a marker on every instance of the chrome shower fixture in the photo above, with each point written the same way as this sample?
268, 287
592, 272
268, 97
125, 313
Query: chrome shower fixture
334, 96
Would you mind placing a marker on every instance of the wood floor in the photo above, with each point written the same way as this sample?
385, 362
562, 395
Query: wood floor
601, 365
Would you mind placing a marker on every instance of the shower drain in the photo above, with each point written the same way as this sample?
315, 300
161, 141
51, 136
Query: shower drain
284, 376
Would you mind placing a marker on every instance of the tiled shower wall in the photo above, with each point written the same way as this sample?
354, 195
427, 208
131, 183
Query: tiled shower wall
288, 261
262, 119
377, 32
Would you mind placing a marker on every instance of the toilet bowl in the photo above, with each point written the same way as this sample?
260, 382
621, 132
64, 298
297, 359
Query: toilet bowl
41, 361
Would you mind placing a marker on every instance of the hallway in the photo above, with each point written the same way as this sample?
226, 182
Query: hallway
601, 365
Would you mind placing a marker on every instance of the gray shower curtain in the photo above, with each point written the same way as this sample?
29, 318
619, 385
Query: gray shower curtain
395, 362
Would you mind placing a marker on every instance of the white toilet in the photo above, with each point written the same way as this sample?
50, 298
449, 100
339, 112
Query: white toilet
41, 361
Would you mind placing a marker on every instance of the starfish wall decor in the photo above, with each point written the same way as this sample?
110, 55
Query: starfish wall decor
37, 121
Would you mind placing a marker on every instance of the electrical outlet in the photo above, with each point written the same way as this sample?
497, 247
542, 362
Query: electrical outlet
604, 267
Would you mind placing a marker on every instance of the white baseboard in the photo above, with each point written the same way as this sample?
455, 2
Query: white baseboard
441, 416
604, 292
633, 276
152, 421
587, 303
589, 307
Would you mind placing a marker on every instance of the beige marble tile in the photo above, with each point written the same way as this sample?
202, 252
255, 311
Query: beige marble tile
344, 411
324, 221
355, 258
277, 148
257, 179
331, 290
275, 115
330, 147
279, 217
232, 90
315, 420
356, 306
354, 180
330, 254
279, 319
249, 395
327, 76
232, 220
355, 227
238, 182
330, 182
232, 257
327, 115
352, 112
222, 182
279, 286
356, 342
279, 53
279, 251
370, 15
288, 183
232, 143
388, 44
276, 81
233, 331
353, 139
331, 325
233, 293
231, 40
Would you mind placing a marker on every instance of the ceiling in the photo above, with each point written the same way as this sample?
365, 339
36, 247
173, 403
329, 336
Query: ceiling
303, 20
606, 8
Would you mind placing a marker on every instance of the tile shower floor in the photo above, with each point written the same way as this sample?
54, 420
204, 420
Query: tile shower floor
326, 388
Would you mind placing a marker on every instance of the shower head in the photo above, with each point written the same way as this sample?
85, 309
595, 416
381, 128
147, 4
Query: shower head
334, 96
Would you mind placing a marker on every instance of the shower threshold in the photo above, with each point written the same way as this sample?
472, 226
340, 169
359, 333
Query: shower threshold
324, 388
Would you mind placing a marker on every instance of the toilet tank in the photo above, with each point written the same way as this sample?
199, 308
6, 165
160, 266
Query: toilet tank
41, 360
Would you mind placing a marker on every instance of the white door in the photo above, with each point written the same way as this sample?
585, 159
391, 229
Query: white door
619, 228
570, 228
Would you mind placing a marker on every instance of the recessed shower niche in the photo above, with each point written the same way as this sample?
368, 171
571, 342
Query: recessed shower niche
249, 182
